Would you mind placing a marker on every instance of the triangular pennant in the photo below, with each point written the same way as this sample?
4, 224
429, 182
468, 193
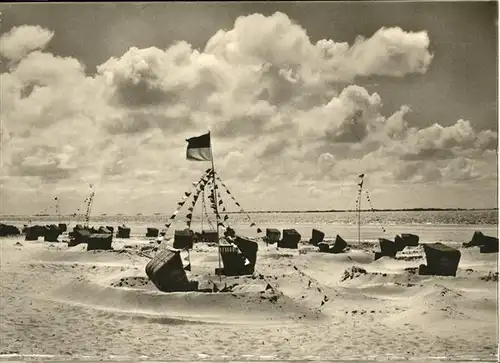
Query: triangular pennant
187, 194
223, 209
190, 209
226, 217
187, 268
259, 230
220, 202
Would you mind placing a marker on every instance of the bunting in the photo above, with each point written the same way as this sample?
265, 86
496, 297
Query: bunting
54, 206
212, 197
80, 207
186, 195
360, 188
226, 217
252, 224
373, 210
189, 216
205, 211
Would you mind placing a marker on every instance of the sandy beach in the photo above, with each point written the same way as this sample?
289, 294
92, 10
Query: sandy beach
60, 302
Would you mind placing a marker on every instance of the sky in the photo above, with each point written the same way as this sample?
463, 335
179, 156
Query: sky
300, 98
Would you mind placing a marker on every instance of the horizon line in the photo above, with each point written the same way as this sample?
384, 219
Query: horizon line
418, 209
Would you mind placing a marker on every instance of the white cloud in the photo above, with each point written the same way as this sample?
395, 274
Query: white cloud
391, 52
22, 40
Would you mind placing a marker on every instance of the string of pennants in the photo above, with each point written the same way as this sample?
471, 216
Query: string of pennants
358, 201
198, 187
83, 204
373, 210
252, 223
54, 205
360, 187
221, 204
80, 207
216, 202
204, 210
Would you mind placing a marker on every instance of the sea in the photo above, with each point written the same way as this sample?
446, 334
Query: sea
445, 226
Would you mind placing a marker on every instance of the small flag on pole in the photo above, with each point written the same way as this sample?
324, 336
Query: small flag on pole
198, 148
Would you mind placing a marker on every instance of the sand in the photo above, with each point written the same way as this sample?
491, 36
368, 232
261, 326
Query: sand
66, 303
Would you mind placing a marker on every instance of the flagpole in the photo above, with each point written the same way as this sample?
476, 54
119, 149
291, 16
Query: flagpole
359, 215
216, 207
359, 207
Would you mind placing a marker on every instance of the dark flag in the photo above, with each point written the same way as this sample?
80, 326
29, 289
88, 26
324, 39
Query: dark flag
199, 149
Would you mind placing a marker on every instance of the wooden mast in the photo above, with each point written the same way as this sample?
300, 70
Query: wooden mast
216, 205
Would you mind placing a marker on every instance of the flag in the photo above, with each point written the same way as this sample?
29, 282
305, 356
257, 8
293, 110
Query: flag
198, 148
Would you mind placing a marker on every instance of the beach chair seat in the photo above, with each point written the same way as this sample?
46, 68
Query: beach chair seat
32, 233
273, 235
317, 237
167, 273
208, 236
8, 230
152, 232
387, 247
99, 241
486, 244
51, 233
290, 239
123, 232
441, 260
183, 239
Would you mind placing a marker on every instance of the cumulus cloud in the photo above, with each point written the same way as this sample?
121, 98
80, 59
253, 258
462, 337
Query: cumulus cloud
460, 169
268, 94
439, 142
391, 52
22, 40
278, 41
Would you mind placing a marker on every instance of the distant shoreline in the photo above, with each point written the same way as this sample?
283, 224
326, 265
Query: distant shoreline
277, 212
